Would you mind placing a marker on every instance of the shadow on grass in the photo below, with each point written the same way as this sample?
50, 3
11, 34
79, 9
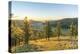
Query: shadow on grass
28, 48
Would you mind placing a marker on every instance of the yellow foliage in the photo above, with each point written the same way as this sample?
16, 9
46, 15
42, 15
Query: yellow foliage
16, 31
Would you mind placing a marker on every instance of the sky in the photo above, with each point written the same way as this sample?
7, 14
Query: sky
43, 11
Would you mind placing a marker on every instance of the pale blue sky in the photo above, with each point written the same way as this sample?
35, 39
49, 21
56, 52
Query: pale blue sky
42, 10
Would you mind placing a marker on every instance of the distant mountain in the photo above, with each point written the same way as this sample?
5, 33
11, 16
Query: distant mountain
65, 23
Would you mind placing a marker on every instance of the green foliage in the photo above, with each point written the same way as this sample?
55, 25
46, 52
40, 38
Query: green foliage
73, 29
58, 30
35, 38
16, 34
26, 30
48, 30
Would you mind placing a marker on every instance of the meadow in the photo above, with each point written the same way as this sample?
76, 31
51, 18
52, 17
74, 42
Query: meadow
34, 36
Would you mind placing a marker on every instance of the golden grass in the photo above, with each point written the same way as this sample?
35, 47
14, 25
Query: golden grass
52, 44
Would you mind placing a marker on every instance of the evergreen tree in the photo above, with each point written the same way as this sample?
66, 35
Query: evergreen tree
72, 29
26, 30
75, 30
72, 32
58, 30
16, 33
48, 30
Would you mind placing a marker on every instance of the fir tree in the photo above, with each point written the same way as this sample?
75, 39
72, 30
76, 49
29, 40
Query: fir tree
58, 30
48, 30
26, 30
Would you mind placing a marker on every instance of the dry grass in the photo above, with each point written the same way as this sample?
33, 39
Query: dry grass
47, 45
54, 44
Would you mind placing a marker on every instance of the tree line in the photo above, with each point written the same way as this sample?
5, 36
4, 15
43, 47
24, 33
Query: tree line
25, 34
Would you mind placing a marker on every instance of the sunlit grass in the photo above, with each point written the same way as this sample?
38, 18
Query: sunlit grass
45, 45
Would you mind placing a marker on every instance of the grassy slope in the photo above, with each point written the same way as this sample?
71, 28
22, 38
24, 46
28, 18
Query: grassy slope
45, 45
